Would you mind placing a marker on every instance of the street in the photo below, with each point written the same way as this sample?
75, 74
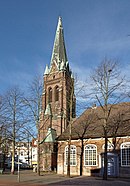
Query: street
27, 177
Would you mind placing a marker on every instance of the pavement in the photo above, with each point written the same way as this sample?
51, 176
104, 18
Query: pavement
28, 178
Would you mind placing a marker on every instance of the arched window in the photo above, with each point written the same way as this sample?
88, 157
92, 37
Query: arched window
110, 146
56, 93
125, 154
72, 155
90, 155
50, 95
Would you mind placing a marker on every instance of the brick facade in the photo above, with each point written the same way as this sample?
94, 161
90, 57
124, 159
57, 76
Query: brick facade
90, 170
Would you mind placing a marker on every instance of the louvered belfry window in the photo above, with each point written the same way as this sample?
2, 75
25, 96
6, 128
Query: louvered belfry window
56, 93
50, 95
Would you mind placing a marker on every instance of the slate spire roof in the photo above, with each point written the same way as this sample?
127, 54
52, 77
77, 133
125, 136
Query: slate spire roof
59, 56
59, 51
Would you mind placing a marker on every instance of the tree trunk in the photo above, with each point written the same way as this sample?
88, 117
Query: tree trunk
81, 158
68, 166
13, 144
13, 157
38, 154
105, 159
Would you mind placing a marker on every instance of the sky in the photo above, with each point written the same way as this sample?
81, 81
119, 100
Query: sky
93, 29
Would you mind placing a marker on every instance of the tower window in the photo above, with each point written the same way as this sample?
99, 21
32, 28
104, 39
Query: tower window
50, 95
56, 93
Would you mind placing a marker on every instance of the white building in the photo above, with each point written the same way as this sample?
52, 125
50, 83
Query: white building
34, 152
27, 153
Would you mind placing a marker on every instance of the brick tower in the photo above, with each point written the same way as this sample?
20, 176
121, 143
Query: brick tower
58, 100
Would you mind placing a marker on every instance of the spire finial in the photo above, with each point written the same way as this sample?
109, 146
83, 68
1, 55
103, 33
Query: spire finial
59, 23
46, 70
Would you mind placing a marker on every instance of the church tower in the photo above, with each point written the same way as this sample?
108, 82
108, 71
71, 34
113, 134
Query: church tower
58, 100
58, 93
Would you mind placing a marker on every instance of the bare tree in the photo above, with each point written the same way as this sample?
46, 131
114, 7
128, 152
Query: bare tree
120, 116
81, 94
15, 118
108, 89
81, 129
3, 138
77, 88
71, 107
33, 103
1, 115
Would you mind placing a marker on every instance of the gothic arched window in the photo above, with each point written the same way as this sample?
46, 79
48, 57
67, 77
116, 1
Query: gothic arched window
56, 93
50, 95
90, 155
125, 154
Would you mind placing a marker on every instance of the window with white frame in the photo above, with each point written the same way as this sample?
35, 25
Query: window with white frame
72, 155
125, 154
90, 155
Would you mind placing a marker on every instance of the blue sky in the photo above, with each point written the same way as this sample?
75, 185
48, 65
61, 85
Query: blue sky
93, 29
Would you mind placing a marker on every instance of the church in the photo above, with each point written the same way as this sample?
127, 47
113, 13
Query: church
60, 129
58, 101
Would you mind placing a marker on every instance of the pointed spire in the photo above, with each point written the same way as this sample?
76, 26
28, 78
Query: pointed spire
50, 137
48, 110
59, 51
46, 70
59, 24
62, 65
